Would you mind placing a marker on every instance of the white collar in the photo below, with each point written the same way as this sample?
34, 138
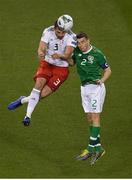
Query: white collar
88, 50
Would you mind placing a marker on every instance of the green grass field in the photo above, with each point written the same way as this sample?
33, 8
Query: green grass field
47, 149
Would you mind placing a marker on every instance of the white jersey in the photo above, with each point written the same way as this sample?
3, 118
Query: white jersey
56, 45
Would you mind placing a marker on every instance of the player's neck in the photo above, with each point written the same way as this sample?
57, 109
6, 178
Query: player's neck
88, 49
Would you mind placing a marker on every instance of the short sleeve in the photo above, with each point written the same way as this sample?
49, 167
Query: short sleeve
72, 41
45, 36
102, 61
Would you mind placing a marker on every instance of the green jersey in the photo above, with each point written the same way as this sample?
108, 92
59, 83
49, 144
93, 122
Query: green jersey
89, 64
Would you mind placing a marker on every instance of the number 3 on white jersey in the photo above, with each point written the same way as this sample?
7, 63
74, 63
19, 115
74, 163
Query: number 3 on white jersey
56, 47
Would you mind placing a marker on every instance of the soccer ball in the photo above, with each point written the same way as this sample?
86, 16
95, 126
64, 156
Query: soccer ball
65, 22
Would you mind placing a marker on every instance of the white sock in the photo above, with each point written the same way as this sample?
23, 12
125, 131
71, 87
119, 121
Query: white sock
33, 100
25, 100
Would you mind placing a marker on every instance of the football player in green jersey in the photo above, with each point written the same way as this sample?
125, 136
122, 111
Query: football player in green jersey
90, 61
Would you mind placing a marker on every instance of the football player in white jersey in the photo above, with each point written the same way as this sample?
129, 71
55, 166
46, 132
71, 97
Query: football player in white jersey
56, 46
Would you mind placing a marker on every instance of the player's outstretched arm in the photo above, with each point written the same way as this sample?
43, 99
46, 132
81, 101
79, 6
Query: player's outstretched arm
67, 54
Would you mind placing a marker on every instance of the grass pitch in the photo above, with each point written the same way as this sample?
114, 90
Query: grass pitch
47, 149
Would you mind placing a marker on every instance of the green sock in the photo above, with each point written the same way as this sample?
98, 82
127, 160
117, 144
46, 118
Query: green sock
90, 149
94, 144
98, 146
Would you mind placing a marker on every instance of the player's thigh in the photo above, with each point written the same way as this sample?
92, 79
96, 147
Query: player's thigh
97, 98
43, 71
39, 84
93, 98
89, 118
102, 96
85, 100
60, 74
95, 118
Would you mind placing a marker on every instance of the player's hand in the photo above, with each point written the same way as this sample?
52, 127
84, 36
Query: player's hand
99, 82
41, 55
56, 56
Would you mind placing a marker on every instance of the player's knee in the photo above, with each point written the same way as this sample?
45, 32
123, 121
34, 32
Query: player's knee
89, 118
96, 119
40, 82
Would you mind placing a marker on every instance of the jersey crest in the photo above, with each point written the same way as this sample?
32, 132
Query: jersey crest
90, 59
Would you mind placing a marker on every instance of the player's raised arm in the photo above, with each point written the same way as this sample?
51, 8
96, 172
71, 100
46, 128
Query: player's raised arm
68, 53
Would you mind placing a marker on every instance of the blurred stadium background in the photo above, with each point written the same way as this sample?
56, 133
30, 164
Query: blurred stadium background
47, 149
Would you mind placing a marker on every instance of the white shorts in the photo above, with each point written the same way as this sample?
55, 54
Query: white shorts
93, 97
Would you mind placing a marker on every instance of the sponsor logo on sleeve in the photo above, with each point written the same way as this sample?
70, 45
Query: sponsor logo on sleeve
74, 43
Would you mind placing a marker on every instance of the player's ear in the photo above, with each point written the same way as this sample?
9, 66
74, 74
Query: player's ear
88, 40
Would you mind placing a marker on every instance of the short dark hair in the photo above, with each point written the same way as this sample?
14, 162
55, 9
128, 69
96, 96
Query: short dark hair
81, 35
